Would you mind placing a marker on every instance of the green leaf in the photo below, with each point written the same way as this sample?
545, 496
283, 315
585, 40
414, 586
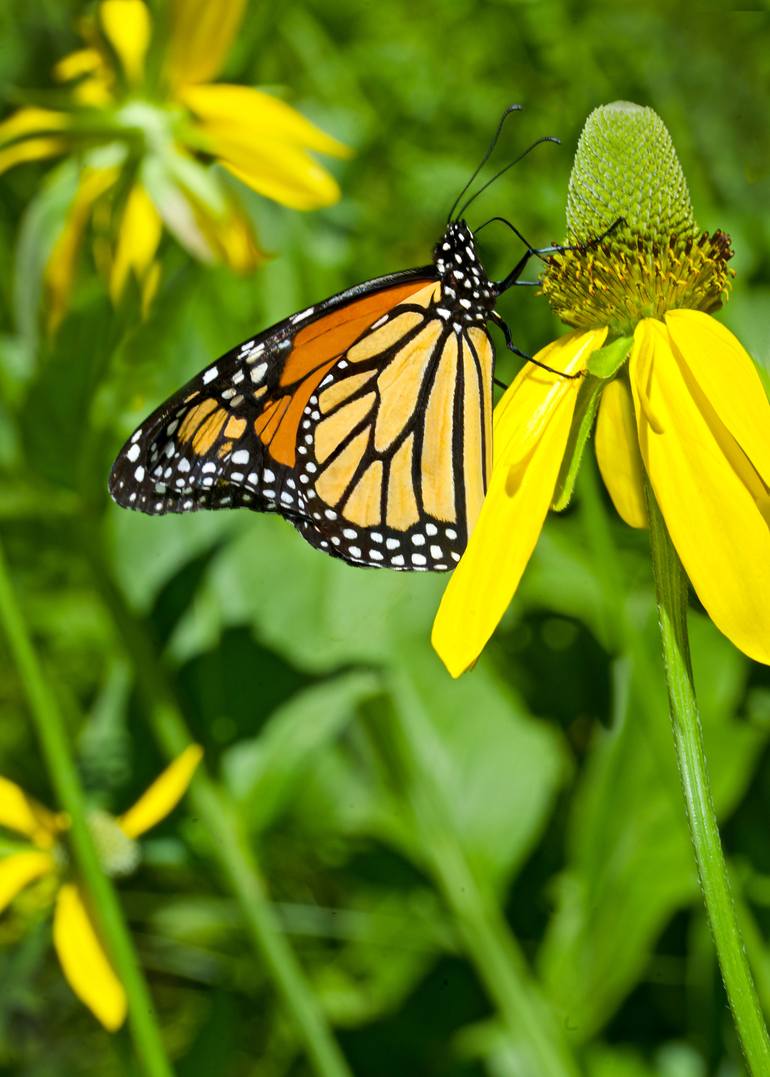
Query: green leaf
315, 609
481, 738
264, 772
40, 227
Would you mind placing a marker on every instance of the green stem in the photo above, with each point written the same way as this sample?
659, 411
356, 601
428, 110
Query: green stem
671, 588
501, 966
230, 842
64, 778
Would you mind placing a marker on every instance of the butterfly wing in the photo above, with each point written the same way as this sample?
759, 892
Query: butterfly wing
397, 447
366, 421
218, 441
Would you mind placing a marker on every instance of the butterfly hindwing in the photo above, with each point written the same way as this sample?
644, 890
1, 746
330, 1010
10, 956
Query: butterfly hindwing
396, 445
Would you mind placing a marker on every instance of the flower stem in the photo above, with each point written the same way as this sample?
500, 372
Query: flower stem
229, 841
51, 732
671, 588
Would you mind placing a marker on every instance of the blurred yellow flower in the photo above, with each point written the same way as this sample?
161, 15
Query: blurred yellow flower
143, 122
83, 959
680, 406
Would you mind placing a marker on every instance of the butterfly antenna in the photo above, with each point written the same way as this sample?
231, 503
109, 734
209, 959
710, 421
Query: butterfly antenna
485, 158
515, 161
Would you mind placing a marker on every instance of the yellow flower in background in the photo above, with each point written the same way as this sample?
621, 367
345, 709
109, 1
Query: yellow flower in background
680, 403
143, 123
83, 959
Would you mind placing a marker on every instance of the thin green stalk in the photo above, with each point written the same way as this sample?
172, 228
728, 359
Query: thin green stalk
671, 588
64, 778
230, 842
537, 1038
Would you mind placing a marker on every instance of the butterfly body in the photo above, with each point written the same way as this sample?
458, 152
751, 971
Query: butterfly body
365, 420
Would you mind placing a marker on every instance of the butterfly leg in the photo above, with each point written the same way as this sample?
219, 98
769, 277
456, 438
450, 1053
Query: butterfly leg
503, 325
541, 252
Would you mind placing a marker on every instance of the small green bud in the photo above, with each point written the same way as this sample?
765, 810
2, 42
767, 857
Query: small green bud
626, 166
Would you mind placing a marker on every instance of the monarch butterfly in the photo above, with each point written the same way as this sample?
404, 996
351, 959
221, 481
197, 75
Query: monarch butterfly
365, 420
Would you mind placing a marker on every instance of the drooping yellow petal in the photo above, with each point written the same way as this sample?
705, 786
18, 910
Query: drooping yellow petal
716, 508
60, 268
724, 371
532, 423
31, 149
84, 960
253, 116
265, 143
163, 795
231, 236
76, 64
19, 870
138, 238
33, 121
127, 27
22, 813
201, 33
617, 452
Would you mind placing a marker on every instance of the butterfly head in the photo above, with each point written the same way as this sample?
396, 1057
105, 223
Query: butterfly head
466, 289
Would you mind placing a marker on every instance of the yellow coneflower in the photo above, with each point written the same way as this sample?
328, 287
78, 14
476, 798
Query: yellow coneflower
680, 403
144, 121
84, 961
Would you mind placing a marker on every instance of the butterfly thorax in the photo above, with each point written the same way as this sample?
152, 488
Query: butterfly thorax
467, 294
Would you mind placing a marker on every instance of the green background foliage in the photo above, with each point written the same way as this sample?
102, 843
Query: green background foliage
368, 782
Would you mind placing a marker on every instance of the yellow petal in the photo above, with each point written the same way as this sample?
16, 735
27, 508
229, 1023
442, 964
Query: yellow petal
617, 451
76, 64
201, 35
138, 238
22, 813
33, 121
724, 371
84, 961
532, 423
19, 870
127, 27
715, 506
231, 237
163, 795
264, 142
32, 149
249, 115
60, 268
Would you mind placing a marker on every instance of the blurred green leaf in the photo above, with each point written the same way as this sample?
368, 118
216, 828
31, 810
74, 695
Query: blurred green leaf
42, 221
482, 739
264, 772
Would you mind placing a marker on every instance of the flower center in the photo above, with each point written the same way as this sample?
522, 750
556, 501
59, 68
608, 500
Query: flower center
618, 284
119, 854
627, 179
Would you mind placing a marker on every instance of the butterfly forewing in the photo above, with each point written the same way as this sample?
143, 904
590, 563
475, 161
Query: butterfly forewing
228, 437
